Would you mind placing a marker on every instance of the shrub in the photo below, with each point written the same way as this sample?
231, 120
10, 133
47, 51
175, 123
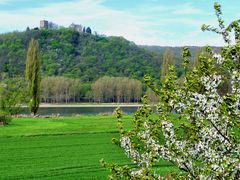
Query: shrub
12, 95
5, 119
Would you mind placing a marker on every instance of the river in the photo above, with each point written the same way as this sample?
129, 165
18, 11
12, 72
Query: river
81, 110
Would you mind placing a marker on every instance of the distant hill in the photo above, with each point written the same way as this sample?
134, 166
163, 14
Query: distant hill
176, 50
66, 52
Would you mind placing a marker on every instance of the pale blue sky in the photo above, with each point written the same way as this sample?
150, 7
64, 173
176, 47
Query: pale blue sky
151, 22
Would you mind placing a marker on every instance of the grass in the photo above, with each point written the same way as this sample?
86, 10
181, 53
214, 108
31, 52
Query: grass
61, 148
62, 126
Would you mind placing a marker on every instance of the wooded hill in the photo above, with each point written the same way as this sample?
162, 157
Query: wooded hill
177, 51
66, 52
78, 66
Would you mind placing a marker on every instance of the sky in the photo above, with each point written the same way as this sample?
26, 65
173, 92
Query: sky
145, 22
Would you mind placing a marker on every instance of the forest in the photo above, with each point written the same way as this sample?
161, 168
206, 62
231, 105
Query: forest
74, 65
65, 52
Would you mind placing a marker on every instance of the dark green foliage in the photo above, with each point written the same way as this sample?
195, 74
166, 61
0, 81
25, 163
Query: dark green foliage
5, 119
66, 52
33, 75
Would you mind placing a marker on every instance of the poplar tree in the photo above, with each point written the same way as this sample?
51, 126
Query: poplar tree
33, 75
167, 62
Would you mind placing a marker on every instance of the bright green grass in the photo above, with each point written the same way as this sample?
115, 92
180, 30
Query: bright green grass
61, 148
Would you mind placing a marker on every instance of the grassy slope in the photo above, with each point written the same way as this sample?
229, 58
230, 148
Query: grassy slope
61, 148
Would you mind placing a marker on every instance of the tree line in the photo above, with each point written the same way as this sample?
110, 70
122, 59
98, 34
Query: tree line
105, 89
116, 89
60, 89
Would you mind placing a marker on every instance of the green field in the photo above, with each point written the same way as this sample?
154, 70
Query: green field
61, 148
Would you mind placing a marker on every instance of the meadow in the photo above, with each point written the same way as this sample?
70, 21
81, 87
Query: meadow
62, 148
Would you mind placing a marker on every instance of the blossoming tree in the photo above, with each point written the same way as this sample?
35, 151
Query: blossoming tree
203, 138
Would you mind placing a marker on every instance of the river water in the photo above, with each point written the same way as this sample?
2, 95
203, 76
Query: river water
71, 111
